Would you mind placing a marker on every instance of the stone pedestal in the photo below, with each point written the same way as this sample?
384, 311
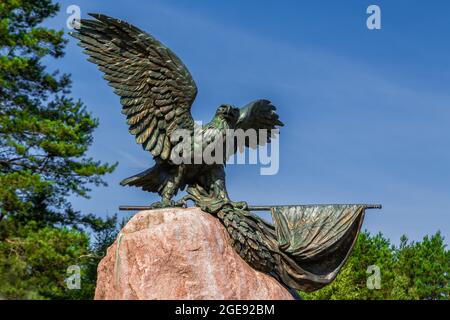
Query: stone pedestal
179, 254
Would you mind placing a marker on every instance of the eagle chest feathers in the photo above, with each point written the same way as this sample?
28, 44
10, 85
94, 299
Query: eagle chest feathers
214, 136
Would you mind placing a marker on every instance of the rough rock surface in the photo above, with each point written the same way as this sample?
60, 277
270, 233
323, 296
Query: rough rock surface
179, 254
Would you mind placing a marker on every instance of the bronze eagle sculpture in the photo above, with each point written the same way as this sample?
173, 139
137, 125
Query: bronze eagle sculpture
307, 245
157, 91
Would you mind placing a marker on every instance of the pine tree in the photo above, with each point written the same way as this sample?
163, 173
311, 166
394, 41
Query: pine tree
44, 137
411, 271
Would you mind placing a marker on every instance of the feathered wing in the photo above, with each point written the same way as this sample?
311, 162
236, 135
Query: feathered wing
155, 87
259, 114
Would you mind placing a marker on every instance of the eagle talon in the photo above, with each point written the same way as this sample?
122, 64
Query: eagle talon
164, 204
181, 203
240, 205
243, 205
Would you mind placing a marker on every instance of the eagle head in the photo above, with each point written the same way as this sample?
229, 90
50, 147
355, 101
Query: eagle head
228, 113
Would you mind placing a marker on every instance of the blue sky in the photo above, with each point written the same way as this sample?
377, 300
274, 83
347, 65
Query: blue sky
366, 112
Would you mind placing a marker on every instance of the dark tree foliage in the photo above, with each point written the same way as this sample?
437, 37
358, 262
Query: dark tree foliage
44, 137
410, 271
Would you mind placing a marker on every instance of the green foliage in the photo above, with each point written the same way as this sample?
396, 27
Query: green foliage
34, 261
416, 270
44, 136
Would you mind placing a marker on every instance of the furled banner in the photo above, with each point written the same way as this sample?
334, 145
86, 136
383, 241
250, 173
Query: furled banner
315, 241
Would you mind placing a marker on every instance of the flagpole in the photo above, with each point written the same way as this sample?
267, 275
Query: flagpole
254, 208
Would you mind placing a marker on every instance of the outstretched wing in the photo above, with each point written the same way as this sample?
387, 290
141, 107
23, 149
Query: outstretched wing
259, 114
155, 87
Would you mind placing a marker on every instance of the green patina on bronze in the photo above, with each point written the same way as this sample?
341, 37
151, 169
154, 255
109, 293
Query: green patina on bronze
306, 246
